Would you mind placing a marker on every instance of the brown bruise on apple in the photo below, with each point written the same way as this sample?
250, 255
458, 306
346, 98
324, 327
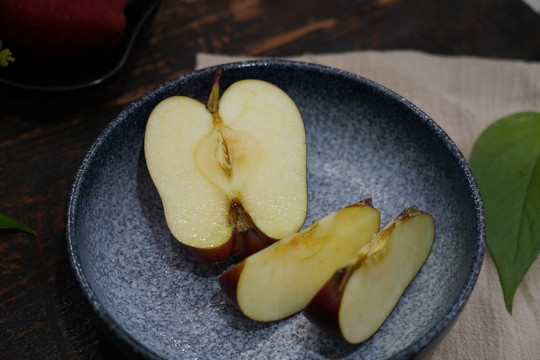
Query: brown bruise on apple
359, 297
281, 279
229, 184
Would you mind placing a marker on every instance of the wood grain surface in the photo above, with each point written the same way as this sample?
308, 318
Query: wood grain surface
44, 136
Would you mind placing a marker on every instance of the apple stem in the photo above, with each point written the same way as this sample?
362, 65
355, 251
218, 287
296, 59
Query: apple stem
212, 106
213, 98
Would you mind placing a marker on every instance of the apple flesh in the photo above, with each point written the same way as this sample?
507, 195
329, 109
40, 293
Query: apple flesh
280, 280
359, 297
231, 174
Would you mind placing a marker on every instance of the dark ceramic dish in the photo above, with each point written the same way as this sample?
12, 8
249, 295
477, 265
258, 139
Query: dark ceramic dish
363, 141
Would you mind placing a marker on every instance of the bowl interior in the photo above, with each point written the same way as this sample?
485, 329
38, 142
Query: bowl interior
363, 141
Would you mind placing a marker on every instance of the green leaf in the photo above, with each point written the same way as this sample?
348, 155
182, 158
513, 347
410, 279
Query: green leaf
506, 163
7, 222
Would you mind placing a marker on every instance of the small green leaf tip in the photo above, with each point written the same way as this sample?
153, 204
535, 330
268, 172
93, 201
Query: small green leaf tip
7, 222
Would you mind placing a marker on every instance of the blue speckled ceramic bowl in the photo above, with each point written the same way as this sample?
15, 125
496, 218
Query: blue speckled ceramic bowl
363, 141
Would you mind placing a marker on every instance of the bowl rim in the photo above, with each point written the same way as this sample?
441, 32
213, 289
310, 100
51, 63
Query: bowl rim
129, 343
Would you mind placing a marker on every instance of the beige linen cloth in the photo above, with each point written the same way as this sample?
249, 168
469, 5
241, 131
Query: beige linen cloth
463, 95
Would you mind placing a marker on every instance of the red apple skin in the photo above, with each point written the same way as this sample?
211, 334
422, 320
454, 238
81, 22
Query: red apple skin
246, 239
210, 256
54, 30
249, 242
364, 202
323, 309
229, 281
241, 243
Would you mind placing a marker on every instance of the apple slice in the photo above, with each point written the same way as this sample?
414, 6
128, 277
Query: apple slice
359, 297
232, 174
280, 280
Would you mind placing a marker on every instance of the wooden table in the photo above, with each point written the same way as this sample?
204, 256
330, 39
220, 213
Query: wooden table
43, 136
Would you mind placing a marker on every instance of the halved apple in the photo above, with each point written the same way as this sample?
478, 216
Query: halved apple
359, 297
280, 280
231, 174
